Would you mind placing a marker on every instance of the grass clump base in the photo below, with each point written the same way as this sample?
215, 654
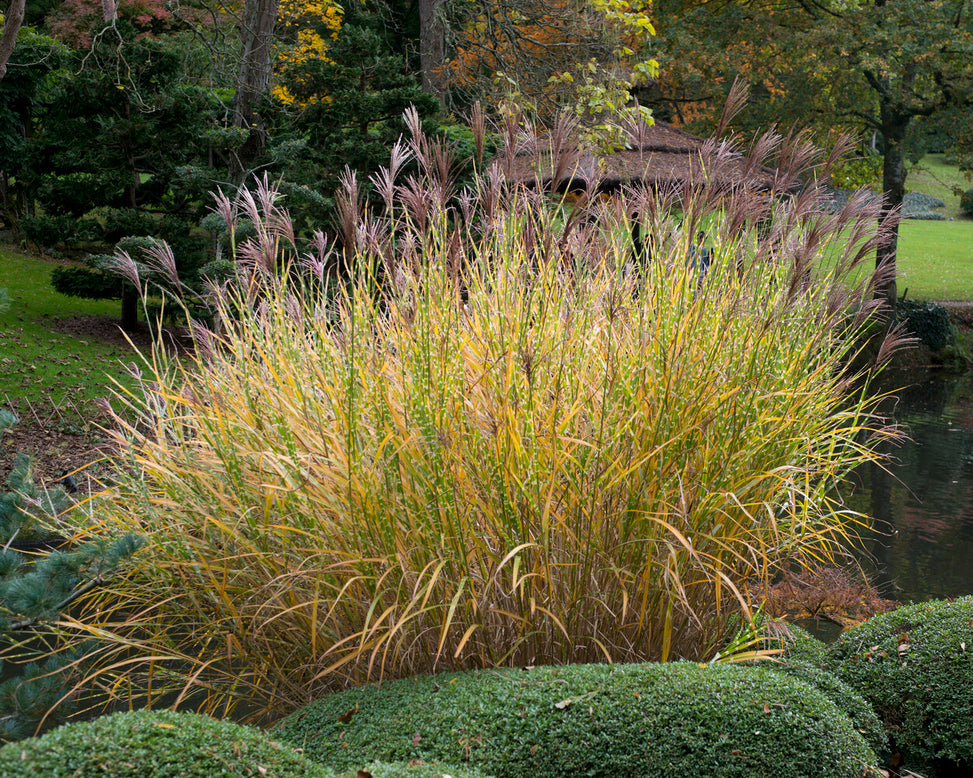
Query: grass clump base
915, 666
155, 744
671, 719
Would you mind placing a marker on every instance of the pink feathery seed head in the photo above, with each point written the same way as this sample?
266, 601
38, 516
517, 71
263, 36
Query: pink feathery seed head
123, 264
478, 126
224, 208
202, 338
159, 257
319, 258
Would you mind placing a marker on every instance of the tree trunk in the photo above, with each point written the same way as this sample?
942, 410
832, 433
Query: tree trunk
130, 308
894, 126
11, 26
253, 78
431, 47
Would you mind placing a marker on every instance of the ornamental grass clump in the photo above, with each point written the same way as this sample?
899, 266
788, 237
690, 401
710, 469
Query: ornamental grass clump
487, 427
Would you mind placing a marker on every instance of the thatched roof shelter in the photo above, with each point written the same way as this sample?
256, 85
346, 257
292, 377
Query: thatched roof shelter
660, 156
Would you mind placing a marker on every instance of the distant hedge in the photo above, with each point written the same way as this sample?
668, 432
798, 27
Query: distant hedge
915, 666
677, 719
155, 744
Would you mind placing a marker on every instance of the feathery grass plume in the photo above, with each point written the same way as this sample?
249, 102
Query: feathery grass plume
516, 446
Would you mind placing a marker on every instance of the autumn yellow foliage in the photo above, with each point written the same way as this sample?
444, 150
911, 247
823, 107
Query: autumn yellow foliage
304, 27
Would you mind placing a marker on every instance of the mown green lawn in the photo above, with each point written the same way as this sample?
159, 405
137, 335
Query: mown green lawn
933, 176
935, 259
45, 372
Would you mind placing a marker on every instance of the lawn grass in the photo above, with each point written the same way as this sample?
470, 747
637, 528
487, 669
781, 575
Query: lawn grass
933, 176
44, 372
935, 259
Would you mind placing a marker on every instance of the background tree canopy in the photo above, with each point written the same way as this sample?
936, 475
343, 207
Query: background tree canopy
889, 69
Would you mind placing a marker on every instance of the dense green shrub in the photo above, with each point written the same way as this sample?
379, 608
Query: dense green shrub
927, 321
915, 666
86, 282
966, 202
411, 770
851, 703
154, 744
681, 718
48, 231
858, 173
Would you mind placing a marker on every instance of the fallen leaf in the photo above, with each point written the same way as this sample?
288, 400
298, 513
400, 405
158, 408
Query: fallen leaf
563, 704
344, 718
766, 708
416, 739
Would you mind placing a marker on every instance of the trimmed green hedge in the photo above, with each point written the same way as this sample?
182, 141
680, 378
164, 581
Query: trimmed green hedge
851, 703
915, 666
641, 720
410, 770
154, 744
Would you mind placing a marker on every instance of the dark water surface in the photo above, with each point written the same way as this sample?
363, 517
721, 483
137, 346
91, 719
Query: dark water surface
927, 497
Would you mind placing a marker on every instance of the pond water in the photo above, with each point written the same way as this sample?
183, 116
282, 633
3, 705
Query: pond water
926, 497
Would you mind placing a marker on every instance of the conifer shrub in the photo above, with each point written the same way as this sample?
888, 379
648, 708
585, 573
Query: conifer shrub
914, 665
487, 428
679, 718
155, 744
42, 574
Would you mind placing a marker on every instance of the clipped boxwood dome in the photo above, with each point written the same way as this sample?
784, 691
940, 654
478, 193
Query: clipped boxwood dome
155, 744
851, 703
641, 720
915, 666
410, 770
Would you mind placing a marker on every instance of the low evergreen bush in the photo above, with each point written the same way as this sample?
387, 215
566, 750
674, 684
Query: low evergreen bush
410, 770
927, 321
155, 744
966, 202
36, 590
922, 201
915, 666
677, 719
851, 703
923, 215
